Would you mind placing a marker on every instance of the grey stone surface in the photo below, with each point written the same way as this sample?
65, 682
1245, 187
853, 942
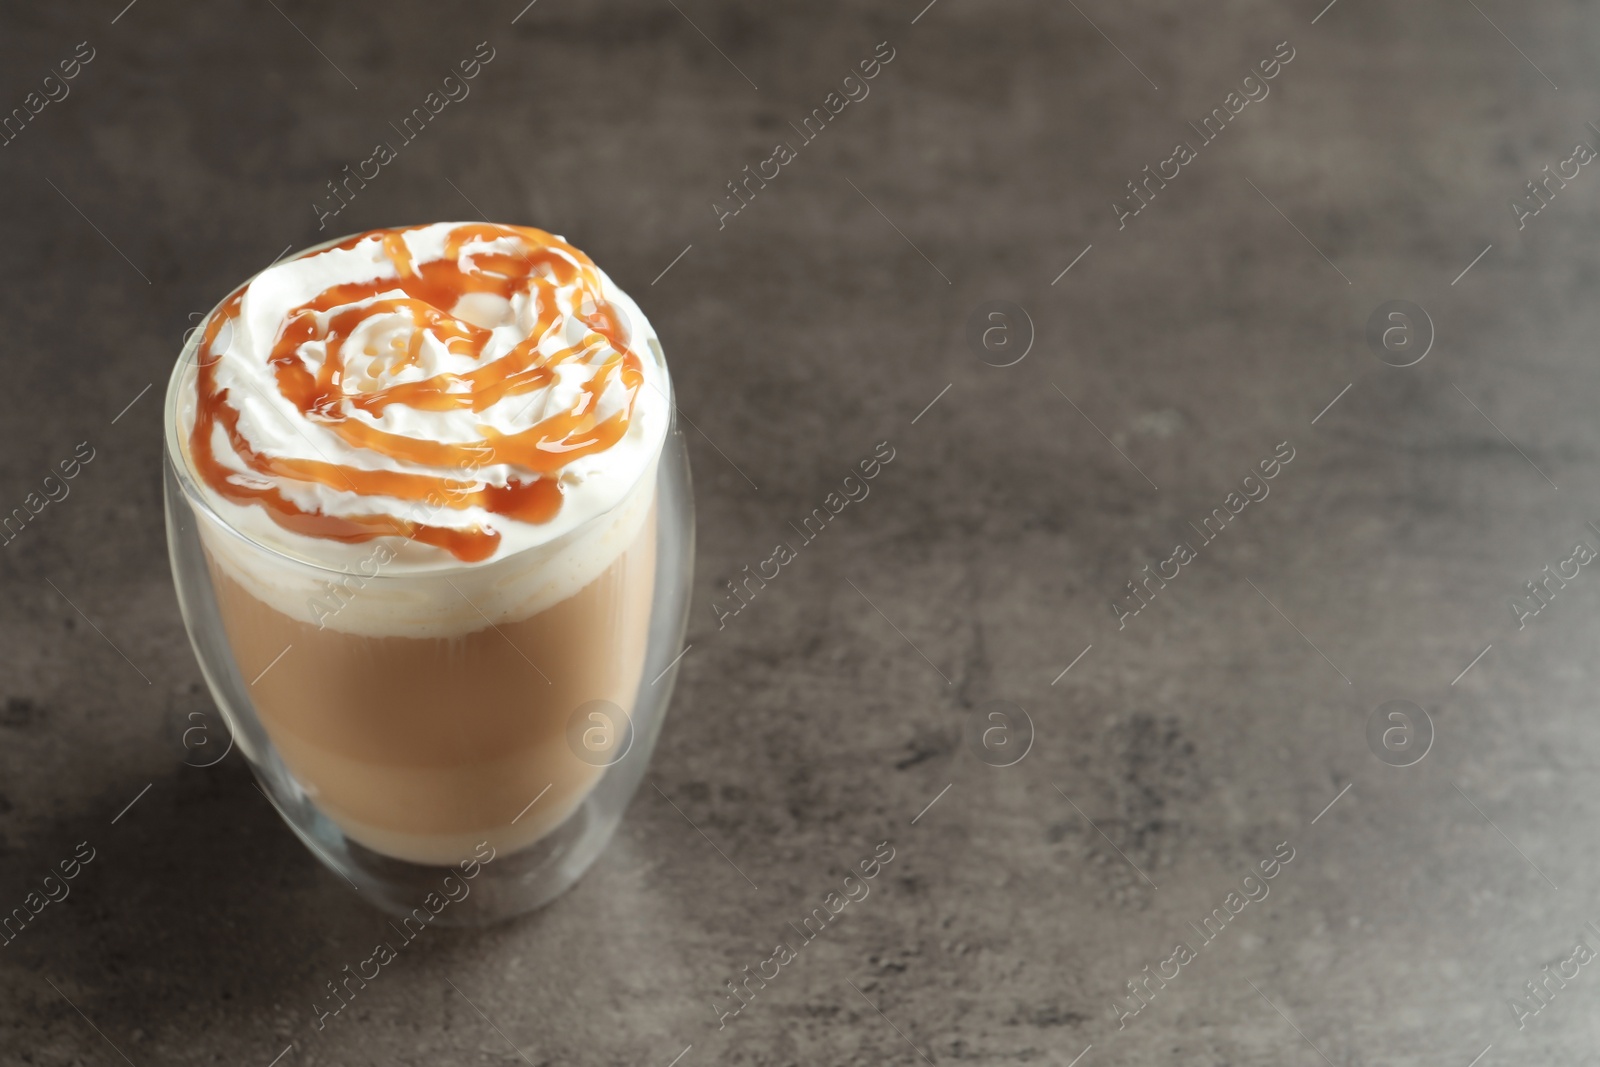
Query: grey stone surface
1221, 721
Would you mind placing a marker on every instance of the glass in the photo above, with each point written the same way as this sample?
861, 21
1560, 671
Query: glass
464, 776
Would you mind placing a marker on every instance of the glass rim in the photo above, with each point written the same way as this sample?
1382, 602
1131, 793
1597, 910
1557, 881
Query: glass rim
178, 459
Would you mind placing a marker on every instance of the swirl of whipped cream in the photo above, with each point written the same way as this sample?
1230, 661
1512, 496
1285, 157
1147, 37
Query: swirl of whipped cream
465, 390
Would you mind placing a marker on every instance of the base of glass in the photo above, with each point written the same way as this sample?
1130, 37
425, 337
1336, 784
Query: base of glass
492, 887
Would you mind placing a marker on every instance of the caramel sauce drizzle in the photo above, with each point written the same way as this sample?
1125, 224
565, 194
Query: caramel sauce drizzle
545, 265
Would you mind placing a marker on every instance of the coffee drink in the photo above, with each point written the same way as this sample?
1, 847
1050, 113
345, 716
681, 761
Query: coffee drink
426, 460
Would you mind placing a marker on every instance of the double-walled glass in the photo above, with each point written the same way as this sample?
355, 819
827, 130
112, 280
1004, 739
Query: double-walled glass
470, 770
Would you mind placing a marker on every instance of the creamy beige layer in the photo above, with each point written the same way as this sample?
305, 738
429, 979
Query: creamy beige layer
419, 748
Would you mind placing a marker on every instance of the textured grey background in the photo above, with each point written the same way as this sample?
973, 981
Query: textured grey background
809, 729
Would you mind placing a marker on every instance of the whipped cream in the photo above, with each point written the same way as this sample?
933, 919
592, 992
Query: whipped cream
355, 455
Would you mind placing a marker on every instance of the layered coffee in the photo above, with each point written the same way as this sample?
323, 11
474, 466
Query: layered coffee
427, 459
